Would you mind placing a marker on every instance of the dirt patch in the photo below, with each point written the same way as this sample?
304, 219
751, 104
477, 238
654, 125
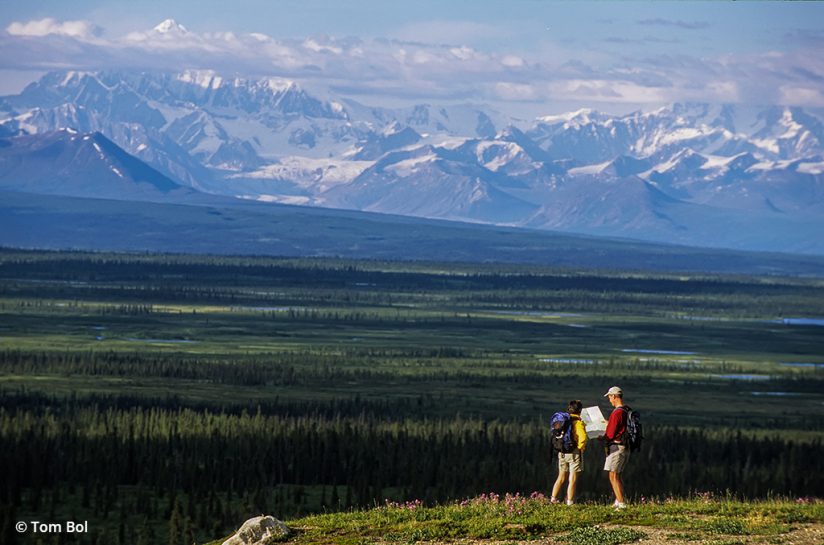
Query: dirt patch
807, 534
801, 534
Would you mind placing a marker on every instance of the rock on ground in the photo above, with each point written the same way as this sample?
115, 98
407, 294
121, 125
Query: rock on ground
261, 530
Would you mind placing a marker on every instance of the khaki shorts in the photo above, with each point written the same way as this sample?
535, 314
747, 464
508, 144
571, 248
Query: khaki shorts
617, 458
572, 462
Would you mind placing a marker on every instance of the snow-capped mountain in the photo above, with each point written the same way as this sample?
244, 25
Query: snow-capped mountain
690, 173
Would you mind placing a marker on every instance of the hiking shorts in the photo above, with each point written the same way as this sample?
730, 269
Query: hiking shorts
572, 462
616, 458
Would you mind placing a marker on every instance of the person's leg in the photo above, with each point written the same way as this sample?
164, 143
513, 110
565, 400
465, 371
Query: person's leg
559, 482
573, 481
617, 486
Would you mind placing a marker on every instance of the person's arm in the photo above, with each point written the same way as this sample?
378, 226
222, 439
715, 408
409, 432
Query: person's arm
612, 425
581, 434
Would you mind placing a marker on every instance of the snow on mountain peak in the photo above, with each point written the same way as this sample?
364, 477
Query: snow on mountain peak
170, 26
495, 154
793, 127
811, 168
687, 157
578, 117
392, 128
73, 75
589, 170
409, 166
280, 85
208, 79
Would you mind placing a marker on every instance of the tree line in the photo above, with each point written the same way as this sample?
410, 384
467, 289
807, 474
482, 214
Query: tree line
106, 457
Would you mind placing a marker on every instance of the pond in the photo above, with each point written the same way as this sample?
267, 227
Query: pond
266, 309
187, 341
537, 313
663, 352
742, 376
775, 394
799, 321
566, 360
802, 364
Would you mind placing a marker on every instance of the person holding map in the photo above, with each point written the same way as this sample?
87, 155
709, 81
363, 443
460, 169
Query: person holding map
617, 451
571, 463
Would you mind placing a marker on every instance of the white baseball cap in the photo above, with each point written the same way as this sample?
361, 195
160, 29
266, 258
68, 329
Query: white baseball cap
614, 391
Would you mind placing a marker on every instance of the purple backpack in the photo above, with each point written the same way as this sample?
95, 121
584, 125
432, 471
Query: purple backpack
561, 425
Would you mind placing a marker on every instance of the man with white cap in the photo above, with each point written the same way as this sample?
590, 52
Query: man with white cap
616, 448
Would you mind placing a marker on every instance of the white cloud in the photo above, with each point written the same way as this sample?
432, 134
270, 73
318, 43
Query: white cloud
422, 56
512, 61
314, 45
515, 91
801, 96
464, 53
724, 91
427, 68
75, 29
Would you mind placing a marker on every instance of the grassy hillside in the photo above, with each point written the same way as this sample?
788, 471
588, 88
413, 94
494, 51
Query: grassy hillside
227, 226
514, 518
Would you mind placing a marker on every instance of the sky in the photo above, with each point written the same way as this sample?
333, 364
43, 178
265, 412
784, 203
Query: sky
522, 56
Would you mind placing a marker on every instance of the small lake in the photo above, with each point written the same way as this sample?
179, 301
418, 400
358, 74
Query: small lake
803, 365
265, 309
179, 341
775, 394
537, 313
742, 376
662, 352
799, 321
566, 360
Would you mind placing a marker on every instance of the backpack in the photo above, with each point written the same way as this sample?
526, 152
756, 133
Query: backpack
561, 425
634, 433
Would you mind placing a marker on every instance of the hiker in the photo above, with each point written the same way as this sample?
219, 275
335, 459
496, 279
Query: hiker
571, 462
616, 447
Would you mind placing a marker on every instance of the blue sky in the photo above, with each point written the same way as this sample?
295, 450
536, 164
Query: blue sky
523, 55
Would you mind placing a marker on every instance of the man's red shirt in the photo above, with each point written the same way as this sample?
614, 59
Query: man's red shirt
617, 425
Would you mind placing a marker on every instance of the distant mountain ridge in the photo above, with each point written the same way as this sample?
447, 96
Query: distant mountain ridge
698, 174
69, 163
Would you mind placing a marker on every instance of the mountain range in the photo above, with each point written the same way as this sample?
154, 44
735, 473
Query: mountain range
695, 174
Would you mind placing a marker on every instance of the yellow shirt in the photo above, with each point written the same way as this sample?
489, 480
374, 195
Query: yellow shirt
579, 432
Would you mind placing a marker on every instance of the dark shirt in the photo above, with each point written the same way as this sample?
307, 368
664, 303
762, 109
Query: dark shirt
616, 426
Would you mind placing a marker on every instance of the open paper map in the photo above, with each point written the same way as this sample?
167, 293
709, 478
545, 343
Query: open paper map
594, 421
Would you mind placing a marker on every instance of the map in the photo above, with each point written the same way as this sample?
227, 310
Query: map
594, 422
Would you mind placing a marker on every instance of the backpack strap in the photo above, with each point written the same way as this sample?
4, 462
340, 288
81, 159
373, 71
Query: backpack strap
627, 409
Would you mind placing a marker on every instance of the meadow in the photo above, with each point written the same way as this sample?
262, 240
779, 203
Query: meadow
167, 398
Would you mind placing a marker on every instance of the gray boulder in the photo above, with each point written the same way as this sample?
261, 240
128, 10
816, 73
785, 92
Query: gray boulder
261, 530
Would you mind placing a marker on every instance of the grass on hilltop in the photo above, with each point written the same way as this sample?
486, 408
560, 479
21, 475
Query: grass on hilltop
518, 518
